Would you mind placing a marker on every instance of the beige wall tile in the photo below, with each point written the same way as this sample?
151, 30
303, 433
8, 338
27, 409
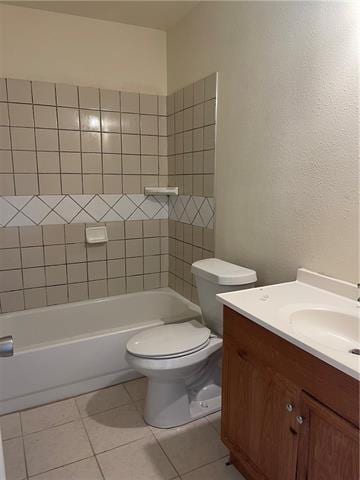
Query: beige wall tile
10, 258
151, 228
90, 120
70, 141
131, 144
116, 286
115, 230
56, 275
90, 142
97, 270
78, 292
110, 100
93, 183
131, 164
10, 280
98, 289
47, 140
5, 138
56, 294
75, 252
12, 301
7, 184
111, 163
35, 298
96, 252
30, 236
134, 266
91, 163
130, 102
130, 123
77, 272
134, 229
131, 184
149, 145
34, 277
21, 138
5, 161
70, 162
48, 162
21, 115
89, 97
19, 90
49, 183
43, 93
45, 117
151, 281
71, 183
54, 254
112, 183
134, 248
9, 237
151, 246
53, 234
26, 184
116, 268
110, 122
148, 104
116, 249
135, 284
75, 233
152, 264
67, 95
68, 118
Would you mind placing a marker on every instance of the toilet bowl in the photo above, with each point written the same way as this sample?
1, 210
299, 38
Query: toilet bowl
183, 360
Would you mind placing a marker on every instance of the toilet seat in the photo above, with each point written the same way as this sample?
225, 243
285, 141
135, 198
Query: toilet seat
169, 341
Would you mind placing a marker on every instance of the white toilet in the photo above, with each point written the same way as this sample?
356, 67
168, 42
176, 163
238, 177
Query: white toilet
183, 360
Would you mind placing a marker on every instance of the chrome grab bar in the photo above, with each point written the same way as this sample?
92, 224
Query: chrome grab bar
6, 346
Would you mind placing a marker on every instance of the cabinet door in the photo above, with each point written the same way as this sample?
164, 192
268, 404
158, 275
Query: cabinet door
329, 445
256, 421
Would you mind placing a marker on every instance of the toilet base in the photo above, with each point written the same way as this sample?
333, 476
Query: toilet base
167, 405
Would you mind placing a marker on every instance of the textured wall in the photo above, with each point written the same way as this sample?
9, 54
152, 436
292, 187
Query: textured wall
70, 49
287, 136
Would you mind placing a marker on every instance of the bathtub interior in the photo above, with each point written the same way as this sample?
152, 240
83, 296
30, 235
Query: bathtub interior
62, 323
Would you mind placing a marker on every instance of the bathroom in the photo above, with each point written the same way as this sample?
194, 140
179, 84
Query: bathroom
179, 240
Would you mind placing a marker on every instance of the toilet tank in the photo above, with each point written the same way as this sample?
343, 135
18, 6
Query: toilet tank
215, 276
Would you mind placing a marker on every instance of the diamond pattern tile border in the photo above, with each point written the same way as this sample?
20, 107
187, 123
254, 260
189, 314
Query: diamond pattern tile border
18, 211
56, 209
198, 211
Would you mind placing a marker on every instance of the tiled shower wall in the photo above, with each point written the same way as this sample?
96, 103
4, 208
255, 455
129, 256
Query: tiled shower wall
76, 155
191, 149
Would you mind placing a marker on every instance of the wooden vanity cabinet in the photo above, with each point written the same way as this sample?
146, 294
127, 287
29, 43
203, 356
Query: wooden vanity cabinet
286, 415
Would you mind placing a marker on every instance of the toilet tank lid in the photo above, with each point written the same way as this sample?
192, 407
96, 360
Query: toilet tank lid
223, 273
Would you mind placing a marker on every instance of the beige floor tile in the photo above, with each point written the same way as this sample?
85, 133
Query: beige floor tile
14, 459
137, 388
56, 447
10, 426
215, 420
102, 400
115, 427
214, 471
48, 416
140, 460
192, 445
84, 470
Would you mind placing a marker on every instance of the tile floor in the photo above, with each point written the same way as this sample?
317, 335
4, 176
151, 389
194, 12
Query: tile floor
102, 436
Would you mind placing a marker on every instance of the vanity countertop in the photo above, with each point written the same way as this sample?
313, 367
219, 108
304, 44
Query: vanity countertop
316, 313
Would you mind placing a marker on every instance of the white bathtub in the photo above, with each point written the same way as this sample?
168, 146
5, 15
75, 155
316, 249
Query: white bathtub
71, 349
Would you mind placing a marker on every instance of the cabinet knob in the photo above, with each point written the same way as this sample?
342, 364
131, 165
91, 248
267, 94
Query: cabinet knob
289, 407
300, 419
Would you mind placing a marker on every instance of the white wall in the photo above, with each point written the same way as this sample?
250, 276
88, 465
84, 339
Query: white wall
39, 45
287, 139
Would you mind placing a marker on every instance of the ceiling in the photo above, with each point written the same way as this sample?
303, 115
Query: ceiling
160, 15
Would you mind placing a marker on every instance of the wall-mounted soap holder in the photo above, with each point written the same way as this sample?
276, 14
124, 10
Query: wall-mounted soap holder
162, 191
96, 234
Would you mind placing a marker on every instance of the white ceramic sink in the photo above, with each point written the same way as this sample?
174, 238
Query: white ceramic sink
334, 329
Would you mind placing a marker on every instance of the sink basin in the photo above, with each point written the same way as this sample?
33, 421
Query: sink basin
331, 328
